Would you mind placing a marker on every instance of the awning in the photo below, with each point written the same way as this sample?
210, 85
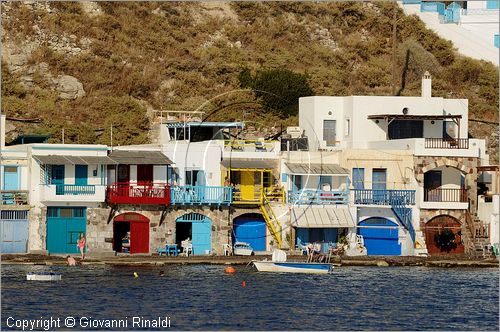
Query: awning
139, 158
316, 169
412, 117
250, 164
73, 160
321, 217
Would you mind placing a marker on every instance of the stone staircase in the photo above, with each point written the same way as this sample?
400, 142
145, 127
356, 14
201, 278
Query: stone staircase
476, 238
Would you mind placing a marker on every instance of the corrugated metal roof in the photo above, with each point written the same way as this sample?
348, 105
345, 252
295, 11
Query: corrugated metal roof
234, 163
139, 157
321, 217
322, 169
114, 158
74, 160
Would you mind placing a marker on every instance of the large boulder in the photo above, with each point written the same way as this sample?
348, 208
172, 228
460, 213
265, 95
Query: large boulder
69, 87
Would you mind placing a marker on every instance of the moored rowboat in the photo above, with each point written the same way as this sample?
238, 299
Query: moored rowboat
293, 267
44, 276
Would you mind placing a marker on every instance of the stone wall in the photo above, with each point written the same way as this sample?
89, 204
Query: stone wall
466, 165
37, 231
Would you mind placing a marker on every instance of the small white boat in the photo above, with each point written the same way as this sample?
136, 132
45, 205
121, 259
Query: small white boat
44, 276
242, 249
279, 264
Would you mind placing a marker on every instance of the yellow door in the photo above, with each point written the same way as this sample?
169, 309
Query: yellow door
247, 186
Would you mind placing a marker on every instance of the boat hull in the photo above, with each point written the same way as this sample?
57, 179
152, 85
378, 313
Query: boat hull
43, 276
291, 267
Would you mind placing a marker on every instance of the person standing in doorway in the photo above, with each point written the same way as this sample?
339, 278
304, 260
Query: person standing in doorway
81, 245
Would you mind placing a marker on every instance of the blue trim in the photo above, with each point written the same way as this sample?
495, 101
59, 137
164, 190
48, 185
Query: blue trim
312, 266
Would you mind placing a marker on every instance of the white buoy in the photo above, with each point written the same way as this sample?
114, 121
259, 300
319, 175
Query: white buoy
44, 276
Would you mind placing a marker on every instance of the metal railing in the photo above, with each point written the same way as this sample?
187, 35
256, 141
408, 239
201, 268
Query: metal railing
311, 196
273, 194
383, 197
446, 143
187, 195
445, 195
250, 145
129, 193
14, 197
73, 189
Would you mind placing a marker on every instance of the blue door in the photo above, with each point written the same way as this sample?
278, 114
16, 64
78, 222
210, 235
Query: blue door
81, 175
64, 226
379, 185
201, 232
13, 232
202, 237
11, 181
379, 238
252, 230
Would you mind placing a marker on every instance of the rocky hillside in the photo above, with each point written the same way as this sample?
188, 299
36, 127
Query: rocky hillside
87, 66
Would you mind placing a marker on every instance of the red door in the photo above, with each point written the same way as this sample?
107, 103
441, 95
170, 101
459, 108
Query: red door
443, 235
144, 174
139, 237
139, 231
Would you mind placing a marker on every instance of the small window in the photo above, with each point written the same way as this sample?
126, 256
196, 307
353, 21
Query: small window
10, 169
348, 127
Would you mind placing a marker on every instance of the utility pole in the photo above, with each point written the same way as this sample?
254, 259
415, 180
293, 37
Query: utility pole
394, 23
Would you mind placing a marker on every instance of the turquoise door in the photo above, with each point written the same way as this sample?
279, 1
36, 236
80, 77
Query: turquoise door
81, 175
57, 178
64, 226
492, 4
202, 237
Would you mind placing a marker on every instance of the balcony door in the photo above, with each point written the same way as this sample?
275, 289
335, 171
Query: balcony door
10, 178
432, 183
247, 185
379, 183
123, 175
81, 173
329, 132
144, 174
400, 129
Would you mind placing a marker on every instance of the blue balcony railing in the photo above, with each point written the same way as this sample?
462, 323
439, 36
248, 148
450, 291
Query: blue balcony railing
321, 197
73, 189
383, 197
199, 195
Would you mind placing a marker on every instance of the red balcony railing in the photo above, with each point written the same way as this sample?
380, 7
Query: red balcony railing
446, 143
445, 195
129, 193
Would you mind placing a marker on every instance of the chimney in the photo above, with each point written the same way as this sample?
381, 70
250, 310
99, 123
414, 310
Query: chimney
426, 85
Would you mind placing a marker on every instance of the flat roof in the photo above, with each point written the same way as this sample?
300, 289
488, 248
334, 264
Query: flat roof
205, 124
412, 117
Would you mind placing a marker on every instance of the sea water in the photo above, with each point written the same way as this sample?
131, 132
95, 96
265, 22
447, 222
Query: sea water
191, 297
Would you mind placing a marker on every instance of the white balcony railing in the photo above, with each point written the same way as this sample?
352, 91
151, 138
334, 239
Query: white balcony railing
72, 193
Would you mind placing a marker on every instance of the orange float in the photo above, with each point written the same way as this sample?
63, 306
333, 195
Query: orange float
230, 269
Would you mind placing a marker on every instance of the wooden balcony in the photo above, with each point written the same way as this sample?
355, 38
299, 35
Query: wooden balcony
130, 193
446, 143
14, 197
201, 195
445, 195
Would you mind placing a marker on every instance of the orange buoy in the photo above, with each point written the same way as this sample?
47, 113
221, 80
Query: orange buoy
230, 269
244, 283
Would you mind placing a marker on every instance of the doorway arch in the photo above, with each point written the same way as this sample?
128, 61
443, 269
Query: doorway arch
438, 235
